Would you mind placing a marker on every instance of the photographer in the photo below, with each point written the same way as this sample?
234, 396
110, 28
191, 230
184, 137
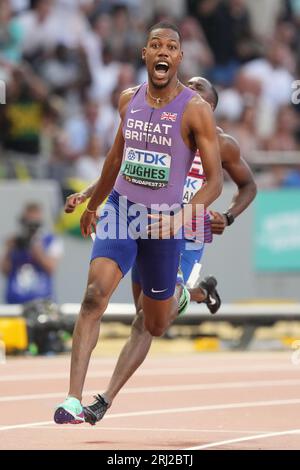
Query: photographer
30, 259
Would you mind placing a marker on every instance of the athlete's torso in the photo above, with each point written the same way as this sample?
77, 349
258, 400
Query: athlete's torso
156, 160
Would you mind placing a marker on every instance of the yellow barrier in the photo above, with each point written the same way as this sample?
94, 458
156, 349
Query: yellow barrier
13, 333
207, 343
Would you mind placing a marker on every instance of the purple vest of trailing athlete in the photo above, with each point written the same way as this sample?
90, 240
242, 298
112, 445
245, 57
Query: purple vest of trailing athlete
156, 160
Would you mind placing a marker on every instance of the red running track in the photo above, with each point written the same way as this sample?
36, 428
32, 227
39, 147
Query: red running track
195, 401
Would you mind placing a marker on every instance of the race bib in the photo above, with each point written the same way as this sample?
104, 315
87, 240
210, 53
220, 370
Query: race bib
146, 168
194, 180
191, 187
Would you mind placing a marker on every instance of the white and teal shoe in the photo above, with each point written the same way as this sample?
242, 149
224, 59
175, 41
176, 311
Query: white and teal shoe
69, 412
185, 297
184, 300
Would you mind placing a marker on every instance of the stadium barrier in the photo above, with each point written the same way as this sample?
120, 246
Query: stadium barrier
236, 313
231, 312
249, 316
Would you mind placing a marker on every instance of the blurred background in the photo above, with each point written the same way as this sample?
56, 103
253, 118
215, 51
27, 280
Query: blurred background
64, 64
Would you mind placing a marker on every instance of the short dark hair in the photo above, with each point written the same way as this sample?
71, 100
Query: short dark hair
215, 96
165, 25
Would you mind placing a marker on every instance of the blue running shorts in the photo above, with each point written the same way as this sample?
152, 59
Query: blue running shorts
192, 253
157, 260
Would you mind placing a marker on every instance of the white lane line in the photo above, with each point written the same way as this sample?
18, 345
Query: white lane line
244, 439
163, 411
156, 430
24, 426
154, 360
164, 388
160, 371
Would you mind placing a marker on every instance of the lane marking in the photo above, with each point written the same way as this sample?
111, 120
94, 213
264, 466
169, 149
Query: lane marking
163, 411
164, 388
244, 439
24, 426
79, 428
159, 371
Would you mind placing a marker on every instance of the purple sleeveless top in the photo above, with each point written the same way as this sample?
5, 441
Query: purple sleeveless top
156, 160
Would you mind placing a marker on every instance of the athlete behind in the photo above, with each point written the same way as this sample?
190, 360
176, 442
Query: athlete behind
162, 124
239, 172
135, 350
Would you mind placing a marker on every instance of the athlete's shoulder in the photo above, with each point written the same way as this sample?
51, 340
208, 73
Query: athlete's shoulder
228, 140
229, 147
197, 102
125, 97
198, 110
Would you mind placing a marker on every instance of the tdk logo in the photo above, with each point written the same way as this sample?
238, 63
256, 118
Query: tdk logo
148, 158
131, 155
191, 184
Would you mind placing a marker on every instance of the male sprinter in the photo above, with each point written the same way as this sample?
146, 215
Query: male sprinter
139, 342
240, 173
163, 123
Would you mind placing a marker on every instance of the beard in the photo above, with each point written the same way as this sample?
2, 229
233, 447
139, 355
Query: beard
159, 86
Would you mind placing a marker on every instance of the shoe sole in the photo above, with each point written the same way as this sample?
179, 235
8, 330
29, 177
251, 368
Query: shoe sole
89, 417
62, 416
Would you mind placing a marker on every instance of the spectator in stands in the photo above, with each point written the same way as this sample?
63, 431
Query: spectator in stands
227, 27
197, 54
11, 35
284, 137
66, 72
79, 128
105, 77
21, 122
40, 27
30, 259
86, 52
48, 24
245, 131
89, 166
272, 75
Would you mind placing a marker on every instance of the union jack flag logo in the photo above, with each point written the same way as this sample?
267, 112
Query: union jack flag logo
168, 117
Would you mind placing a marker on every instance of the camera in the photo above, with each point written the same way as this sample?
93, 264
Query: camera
29, 229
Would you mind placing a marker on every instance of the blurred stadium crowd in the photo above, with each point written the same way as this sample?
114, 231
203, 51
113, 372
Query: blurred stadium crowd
65, 63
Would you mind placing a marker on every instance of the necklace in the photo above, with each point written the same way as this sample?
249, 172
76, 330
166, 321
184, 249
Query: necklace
161, 100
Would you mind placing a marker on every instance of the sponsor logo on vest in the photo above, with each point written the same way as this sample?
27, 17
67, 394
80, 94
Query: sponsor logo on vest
191, 183
146, 168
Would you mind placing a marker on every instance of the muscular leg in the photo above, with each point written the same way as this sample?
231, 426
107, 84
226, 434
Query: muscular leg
159, 314
104, 276
131, 357
133, 352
